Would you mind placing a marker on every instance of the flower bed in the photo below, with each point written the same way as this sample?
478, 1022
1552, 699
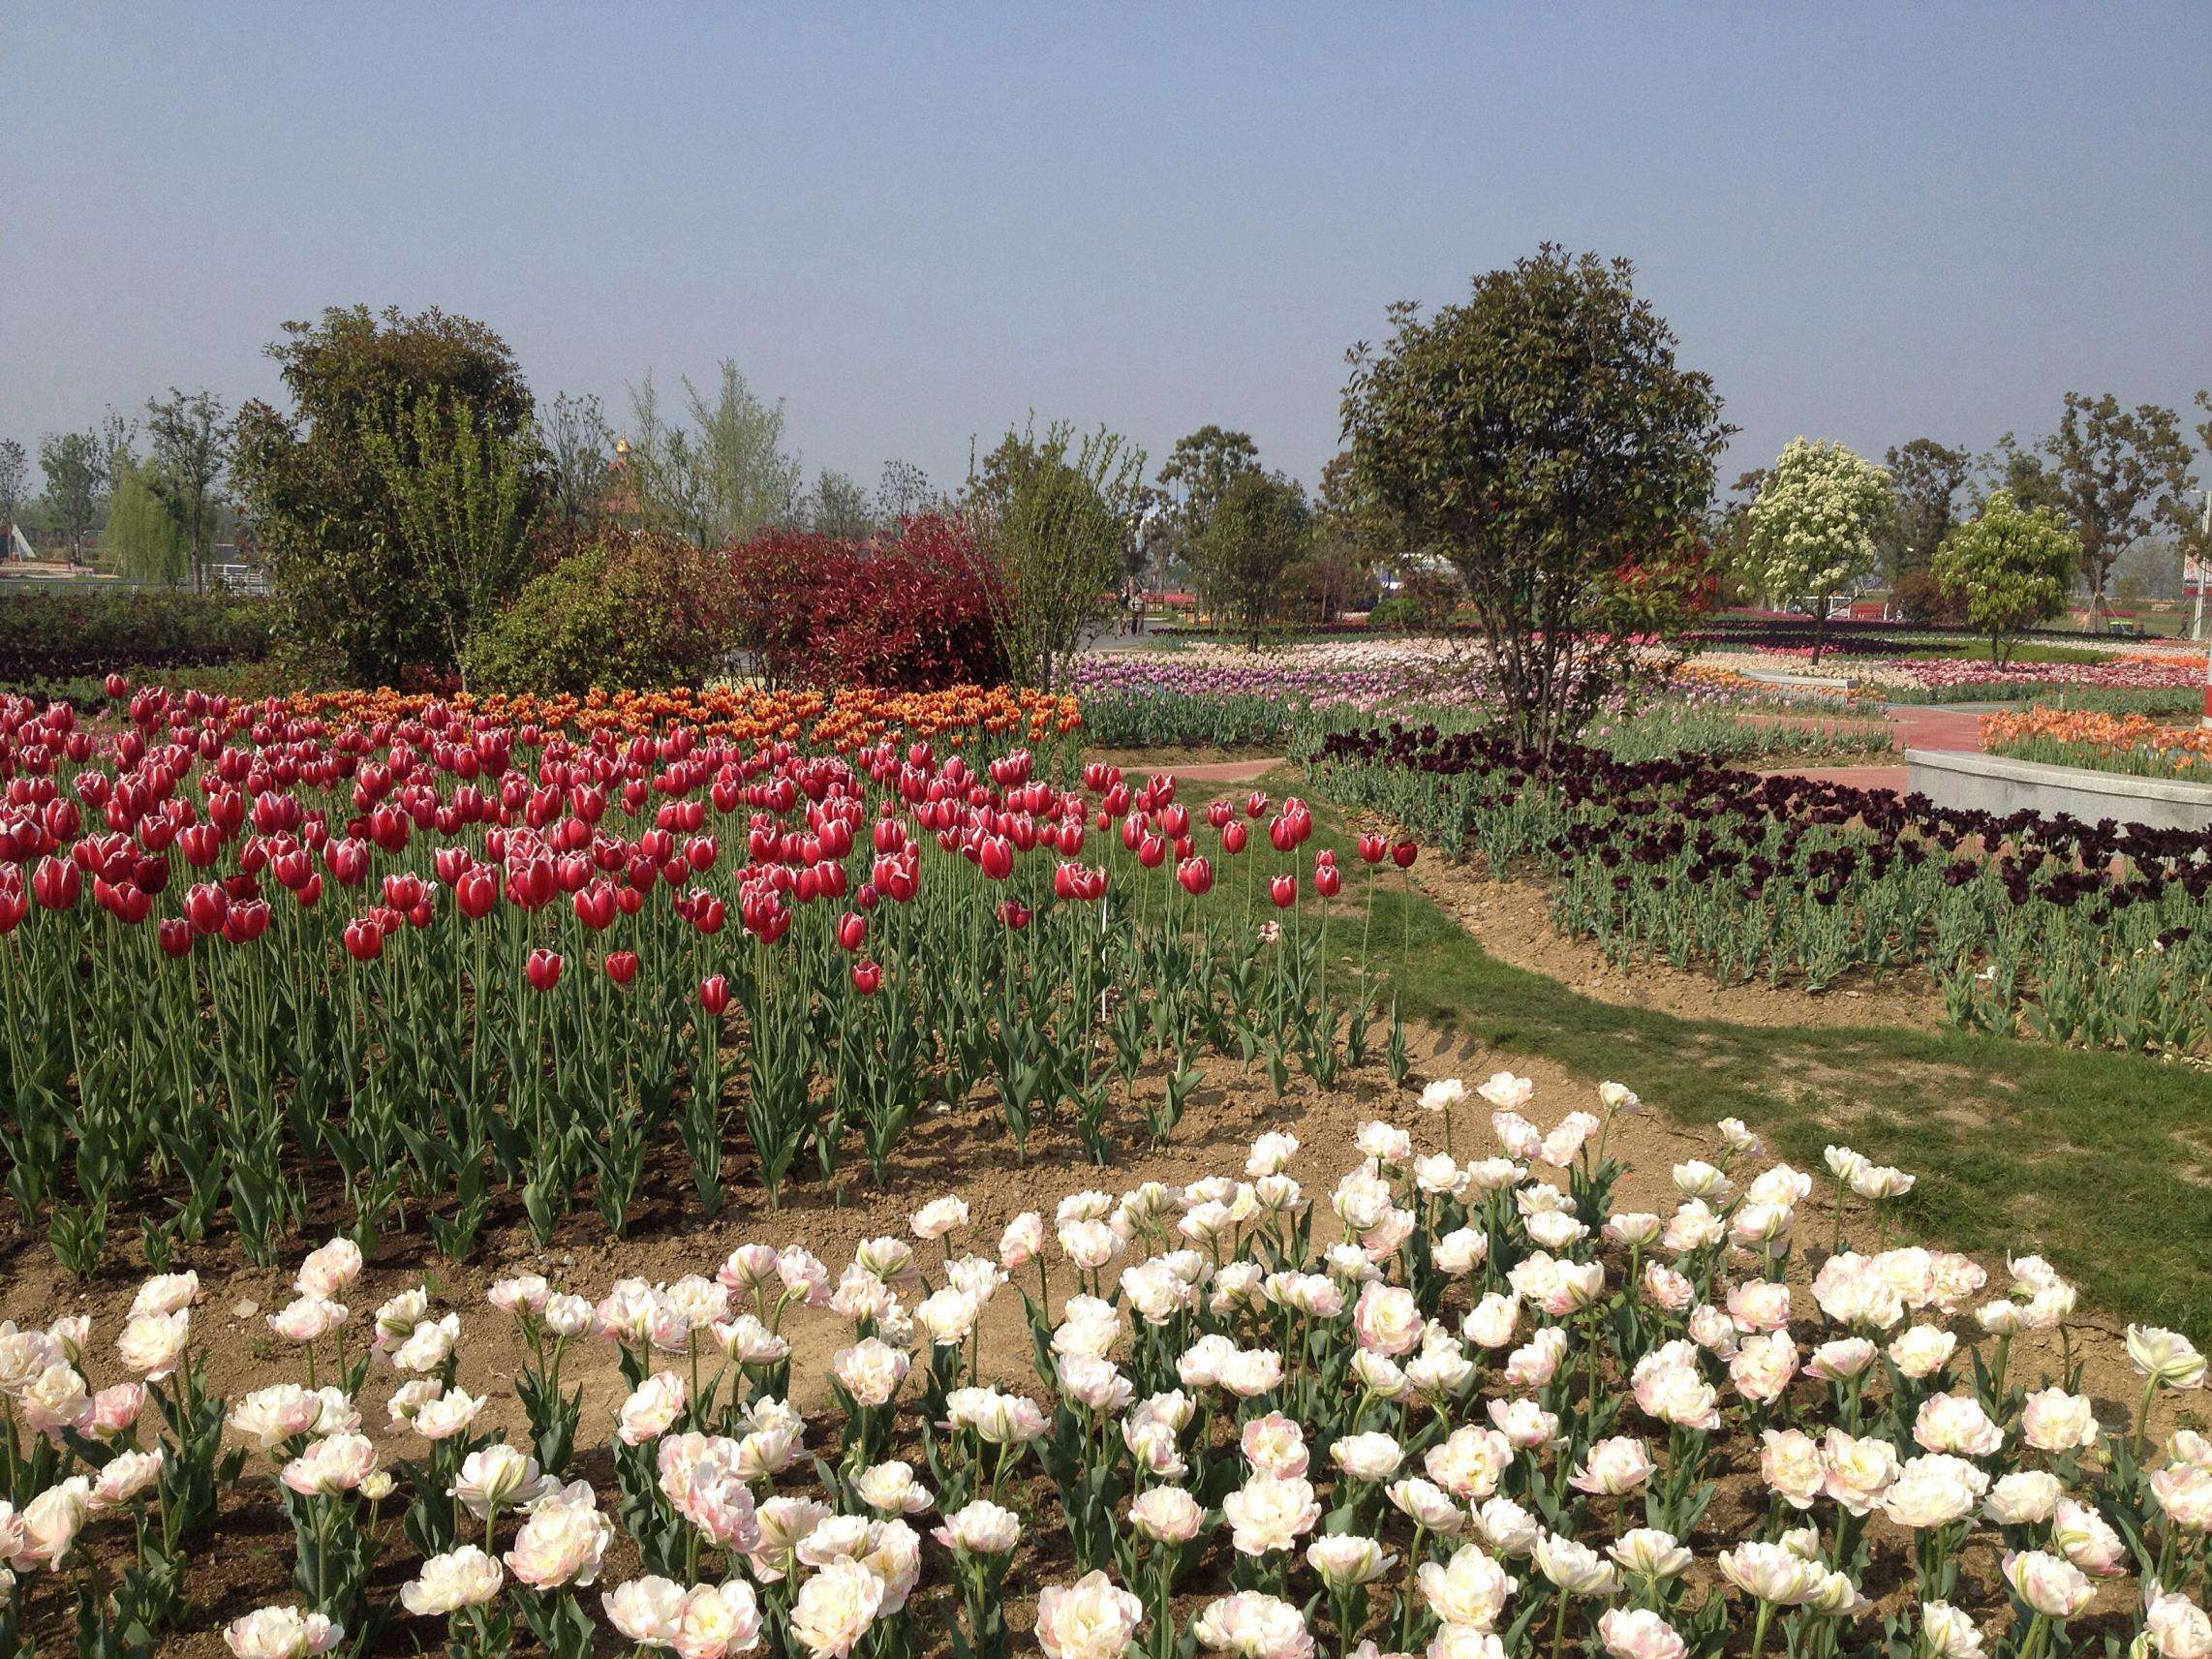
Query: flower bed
377, 956
2072, 932
2104, 743
1469, 1408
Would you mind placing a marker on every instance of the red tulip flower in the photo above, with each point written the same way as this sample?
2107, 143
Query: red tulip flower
1403, 855
714, 994
1327, 881
544, 968
1233, 838
57, 883
1014, 913
622, 966
1283, 890
365, 939
174, 934
1152, 852
1196, 875
1255, 805
205, 907
866, 977
851, 930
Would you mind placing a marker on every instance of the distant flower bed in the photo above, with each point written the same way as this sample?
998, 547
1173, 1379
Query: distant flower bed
2107, 743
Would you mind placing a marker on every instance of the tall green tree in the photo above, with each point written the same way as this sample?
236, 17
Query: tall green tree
2012, 565
837, 505
465, 495
1051, 517
1813, 529
1255, 531
76, 480
15, 480
723, 476
1196, 474
189, 438
321, 508
1543, 436
2122, 474
141, 538
1929, 477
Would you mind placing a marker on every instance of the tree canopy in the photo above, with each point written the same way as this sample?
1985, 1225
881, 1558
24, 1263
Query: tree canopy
2012, 565
1813, 528
1544, 439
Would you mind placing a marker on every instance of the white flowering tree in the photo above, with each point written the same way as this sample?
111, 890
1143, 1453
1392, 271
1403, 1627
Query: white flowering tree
1813, 528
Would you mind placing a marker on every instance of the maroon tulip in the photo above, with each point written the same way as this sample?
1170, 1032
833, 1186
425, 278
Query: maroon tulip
12, 908
714, 994
1403, 855
174, 934
544, 968
851, 930
365, 938
1014, 913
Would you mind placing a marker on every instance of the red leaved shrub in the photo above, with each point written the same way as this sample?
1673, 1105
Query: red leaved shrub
907, 613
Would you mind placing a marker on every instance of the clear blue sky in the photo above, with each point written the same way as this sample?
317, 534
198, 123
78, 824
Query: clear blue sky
917, 223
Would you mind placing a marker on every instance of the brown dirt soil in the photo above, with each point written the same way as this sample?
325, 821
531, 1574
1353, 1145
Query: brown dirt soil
1510, 918
963, 1150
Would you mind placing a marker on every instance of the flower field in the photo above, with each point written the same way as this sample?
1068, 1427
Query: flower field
2107, 743
367, 962
1465, 1397
2064, 930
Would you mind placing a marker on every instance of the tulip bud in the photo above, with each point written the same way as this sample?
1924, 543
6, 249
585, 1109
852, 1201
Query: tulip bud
714, 994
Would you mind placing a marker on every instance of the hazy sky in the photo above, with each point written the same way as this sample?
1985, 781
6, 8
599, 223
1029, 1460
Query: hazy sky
917, 223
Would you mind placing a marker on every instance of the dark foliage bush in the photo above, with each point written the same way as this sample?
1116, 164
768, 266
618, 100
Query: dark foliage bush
50, 636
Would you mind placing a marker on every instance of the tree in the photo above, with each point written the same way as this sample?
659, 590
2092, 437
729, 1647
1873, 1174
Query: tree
1354, 535
465, 496
1927, 477
118, 440
1050, 519
189, 437
77, 477
141, 538
1255, 531
2012, 565
321, 508
1196, 474
14, 480
838, 507
2121, 474
1543, 438
579, 449
723, 478
1813, 528
903, 493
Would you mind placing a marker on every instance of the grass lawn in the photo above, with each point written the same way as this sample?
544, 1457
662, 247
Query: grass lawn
2101, 1161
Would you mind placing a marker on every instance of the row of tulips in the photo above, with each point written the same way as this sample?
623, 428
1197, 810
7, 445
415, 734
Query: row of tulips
2103, 742
1478, 1409
250, 960
2073, 932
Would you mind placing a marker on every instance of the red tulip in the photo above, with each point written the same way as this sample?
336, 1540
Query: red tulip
1255, 805
365, 939
997, 857
1403, 855
714, 994
1282, 833
476, 893
174, 934
1373, 849
1152, 852
851, 930
116, 687
12, 908
866, 977
622, 966
544, 968
205, 907
1014, 913
57, 883
1283, 890
1233, 838
1326, 880
1196, 875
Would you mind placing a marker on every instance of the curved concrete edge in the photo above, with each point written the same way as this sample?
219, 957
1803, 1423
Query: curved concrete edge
2000, 784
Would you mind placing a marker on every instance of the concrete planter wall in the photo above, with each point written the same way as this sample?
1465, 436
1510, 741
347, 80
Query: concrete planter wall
1995, 784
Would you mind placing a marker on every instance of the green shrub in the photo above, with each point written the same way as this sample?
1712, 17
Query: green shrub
628, 611
57, 636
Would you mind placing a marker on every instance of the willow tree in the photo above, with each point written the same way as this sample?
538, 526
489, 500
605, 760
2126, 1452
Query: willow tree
1543, 438
1053, 518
